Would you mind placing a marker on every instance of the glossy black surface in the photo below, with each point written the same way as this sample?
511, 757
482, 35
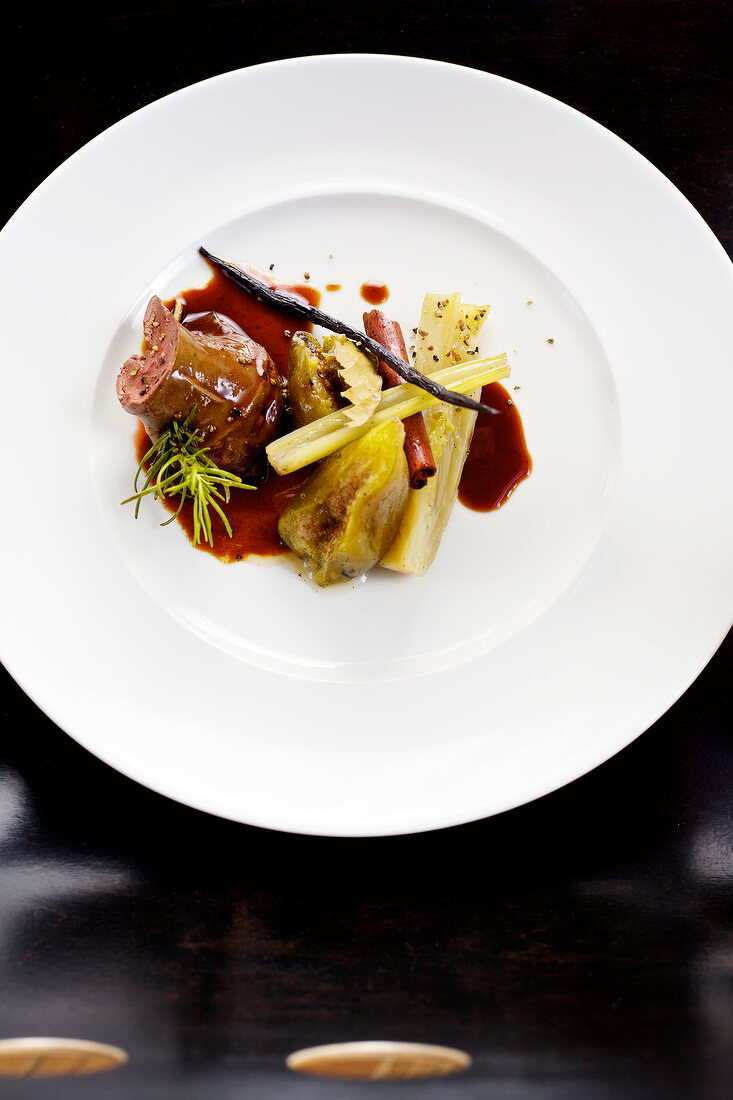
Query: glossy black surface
579, 948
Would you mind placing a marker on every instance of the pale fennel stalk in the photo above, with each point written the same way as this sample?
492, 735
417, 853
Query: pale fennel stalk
447, 329
326, 435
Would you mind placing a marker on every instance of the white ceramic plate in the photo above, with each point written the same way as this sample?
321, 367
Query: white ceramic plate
547, 635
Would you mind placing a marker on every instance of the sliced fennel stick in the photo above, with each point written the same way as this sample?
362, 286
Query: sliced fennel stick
323, 437
428, 509
473, 318
456, 373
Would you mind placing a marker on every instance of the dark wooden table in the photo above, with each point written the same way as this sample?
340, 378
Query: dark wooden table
579, 947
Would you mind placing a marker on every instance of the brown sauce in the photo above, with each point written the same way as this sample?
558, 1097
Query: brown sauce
268, 325
373, 292
498, 459
253, 514
333, 286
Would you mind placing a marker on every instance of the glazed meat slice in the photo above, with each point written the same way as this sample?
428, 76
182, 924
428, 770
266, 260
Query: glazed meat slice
208, 363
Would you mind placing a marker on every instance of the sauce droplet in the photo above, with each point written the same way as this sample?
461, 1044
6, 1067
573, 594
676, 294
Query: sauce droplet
498, 459
374, 292
333, 286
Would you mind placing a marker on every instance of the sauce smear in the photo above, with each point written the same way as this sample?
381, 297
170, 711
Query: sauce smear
498, 459
266, 324
253, 514
373, 292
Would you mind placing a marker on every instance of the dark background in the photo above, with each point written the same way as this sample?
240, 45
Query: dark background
580, 947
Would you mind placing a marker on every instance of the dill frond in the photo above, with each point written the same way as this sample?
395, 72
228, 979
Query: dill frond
179, 465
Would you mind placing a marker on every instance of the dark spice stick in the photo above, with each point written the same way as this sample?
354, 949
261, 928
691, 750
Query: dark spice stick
317, 317
420, 461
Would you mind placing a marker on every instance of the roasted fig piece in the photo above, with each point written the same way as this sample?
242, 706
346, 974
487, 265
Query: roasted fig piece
229, 379
348, 512
314, 386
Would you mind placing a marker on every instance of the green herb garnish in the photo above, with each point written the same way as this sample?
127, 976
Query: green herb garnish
180, 466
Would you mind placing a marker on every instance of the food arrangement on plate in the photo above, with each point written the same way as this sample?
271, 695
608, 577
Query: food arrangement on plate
348, 450
563, 608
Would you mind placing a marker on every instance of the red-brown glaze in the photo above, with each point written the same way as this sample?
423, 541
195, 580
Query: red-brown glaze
253, 514
373, 292
498, 459
265, 324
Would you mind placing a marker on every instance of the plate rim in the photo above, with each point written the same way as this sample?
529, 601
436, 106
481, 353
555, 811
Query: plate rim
571, 773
